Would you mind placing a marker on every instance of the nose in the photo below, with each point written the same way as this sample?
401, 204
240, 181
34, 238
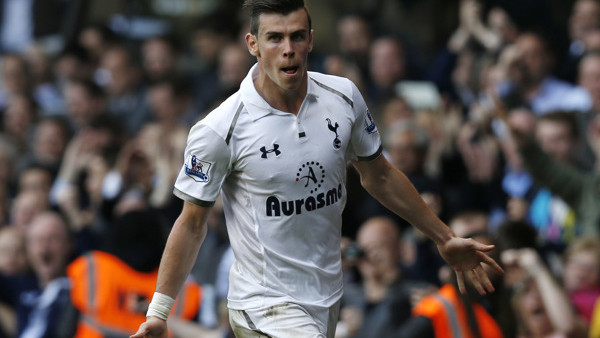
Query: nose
288, 48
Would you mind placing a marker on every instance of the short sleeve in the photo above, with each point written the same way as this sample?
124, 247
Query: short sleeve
206, 164
366, 142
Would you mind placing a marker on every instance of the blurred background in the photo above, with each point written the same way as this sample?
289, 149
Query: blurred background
490, 107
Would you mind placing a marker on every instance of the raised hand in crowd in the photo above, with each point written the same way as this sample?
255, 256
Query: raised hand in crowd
539, 302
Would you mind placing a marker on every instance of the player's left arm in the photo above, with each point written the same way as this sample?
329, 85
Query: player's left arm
393, 189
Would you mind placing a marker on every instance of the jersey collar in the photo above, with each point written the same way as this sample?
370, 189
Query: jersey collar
256, 106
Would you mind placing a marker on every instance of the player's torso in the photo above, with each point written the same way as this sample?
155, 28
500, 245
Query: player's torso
295, 163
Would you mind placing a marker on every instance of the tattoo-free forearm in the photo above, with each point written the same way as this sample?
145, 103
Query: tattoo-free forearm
181, 250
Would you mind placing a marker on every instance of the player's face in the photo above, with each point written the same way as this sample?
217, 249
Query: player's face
281, 48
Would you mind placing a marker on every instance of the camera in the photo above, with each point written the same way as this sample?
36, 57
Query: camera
353, 251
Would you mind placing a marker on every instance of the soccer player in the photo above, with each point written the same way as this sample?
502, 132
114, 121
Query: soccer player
277, 152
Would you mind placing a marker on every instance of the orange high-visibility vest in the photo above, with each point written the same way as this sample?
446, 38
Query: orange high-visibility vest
108, 293
448, 317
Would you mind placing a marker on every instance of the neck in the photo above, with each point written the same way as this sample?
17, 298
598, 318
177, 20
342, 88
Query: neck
281, 99
376, 286
43, 281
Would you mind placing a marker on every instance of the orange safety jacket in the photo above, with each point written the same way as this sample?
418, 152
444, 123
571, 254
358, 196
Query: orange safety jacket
112, 298
448, 317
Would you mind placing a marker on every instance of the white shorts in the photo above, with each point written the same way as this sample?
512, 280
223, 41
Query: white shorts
285, 320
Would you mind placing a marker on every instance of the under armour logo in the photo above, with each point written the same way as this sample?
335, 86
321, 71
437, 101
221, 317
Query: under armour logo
275, 150
337, 144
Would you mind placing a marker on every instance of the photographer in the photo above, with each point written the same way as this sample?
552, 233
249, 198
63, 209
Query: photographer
382, 302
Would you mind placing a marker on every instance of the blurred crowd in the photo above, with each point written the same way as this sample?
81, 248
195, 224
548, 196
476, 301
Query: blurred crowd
499, 132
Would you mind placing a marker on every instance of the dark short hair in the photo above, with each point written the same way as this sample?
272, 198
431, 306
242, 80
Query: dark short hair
258, 7
516, 235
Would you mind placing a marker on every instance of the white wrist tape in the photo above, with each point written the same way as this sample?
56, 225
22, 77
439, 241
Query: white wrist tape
160, 306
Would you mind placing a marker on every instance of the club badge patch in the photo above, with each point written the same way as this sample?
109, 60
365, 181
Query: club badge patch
371, 128
197, 169
337, 144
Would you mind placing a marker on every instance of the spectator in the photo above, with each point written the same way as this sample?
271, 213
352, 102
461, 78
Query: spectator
126, 93
159, 57
85, 100
382, 304
208, 39
589, 79
13, 263
13, 259
437, 314
39, 299
170, 103
355, 36
44, 90
233, 62
407, 145
49, 141
19, 119
233, 65
95, 39
14, 78
72, 64
336, 64
581, 276
480, 153
575, 188
100, 138
584, 18
555, 221
541, 306
127, 267
26, 207
393, 109
528, 64
498, 31
82, 203
158, 144
459, 68
37, 178
591, 40
387, 66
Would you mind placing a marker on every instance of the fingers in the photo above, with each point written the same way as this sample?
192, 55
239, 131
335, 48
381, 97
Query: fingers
460, 279
141, 332
483, 247
478, 278
484, 279
491, 262
474, 279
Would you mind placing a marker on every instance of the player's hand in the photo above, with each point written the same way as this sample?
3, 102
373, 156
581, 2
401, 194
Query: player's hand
465, 256
153, 327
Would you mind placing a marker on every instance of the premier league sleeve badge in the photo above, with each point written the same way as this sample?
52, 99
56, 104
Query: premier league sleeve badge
197, 169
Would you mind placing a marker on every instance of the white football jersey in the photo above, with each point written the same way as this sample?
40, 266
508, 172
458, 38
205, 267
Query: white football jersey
282, 179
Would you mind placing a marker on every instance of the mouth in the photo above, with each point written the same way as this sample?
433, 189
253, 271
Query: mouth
292, 70
47, 258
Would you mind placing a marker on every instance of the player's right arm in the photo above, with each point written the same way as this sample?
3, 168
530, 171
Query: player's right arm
179, 255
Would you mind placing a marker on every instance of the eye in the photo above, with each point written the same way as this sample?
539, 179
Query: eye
298, 36
274, 38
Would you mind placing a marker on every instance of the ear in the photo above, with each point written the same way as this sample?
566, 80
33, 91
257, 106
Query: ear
252, 44
310, 40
